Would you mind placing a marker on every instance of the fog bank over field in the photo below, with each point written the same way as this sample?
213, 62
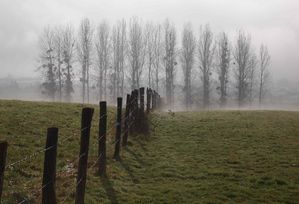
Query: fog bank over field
284, 96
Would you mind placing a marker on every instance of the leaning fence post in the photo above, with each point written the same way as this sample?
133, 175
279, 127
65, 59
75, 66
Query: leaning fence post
102, 138
118, 129
127, 120
49, 174
3, 153
83, 156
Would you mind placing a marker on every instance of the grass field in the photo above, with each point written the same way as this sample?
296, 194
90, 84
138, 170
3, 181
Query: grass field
198, 157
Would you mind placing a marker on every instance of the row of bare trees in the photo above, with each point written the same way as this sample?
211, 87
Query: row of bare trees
132, 54
236, 64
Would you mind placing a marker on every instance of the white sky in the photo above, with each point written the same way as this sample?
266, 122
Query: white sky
273, 22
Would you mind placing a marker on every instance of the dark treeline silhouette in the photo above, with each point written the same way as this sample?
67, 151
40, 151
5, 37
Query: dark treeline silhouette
200, 70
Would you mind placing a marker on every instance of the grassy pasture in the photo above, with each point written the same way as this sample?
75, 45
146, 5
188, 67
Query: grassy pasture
198, 157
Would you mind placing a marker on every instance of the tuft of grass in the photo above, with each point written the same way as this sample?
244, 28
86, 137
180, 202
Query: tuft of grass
198, 157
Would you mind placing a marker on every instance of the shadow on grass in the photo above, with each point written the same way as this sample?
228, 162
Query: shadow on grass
129, 170
142, 125
136, 157
111, 194
141, 144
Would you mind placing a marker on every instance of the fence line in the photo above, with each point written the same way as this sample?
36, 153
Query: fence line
126, 124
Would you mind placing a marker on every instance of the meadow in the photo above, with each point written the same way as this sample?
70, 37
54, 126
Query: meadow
188, 157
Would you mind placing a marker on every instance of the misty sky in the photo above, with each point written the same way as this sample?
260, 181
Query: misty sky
273, 22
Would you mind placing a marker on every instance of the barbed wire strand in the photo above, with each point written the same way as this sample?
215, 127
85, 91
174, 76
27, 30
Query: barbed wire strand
36, 192
28, 157
68, 195
39, 151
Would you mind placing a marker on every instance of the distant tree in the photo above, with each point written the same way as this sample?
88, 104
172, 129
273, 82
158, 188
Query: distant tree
58, 40
137, 51
264, 73
223, 63
243, 72
123, 51
103, 52
150, 51
47, 67
206, 51
252, 78
187, 60
169, 60
84, 49
68, 46
157, 49
118, 58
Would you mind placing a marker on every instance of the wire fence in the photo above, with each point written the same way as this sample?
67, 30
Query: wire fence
123, 125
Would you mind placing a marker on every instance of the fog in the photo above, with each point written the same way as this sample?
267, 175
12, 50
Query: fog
272, 22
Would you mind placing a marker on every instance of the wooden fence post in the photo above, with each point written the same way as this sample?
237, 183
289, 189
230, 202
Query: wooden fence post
141, 90
118, 129
136, 109
3, 153
151, 99
154, 100
157, 101
102, 138
87, 114
142, 99
127, 120
160, 101
148, 100
132, 110
49, 174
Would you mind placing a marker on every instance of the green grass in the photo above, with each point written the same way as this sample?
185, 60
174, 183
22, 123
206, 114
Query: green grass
199, 157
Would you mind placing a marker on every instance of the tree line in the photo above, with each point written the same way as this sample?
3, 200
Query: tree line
129, 54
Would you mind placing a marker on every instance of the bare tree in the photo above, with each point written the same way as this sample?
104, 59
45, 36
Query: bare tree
150, 38
205, 55
123, 50
187, 60
263, 71
47, 58
68, 43
169, 60
58, 40
137, 51
118, 58
223, 63
157, 49
243, 58
252, 77
103, 51
84, 49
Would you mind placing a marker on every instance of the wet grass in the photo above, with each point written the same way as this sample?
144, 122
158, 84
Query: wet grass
199, 157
